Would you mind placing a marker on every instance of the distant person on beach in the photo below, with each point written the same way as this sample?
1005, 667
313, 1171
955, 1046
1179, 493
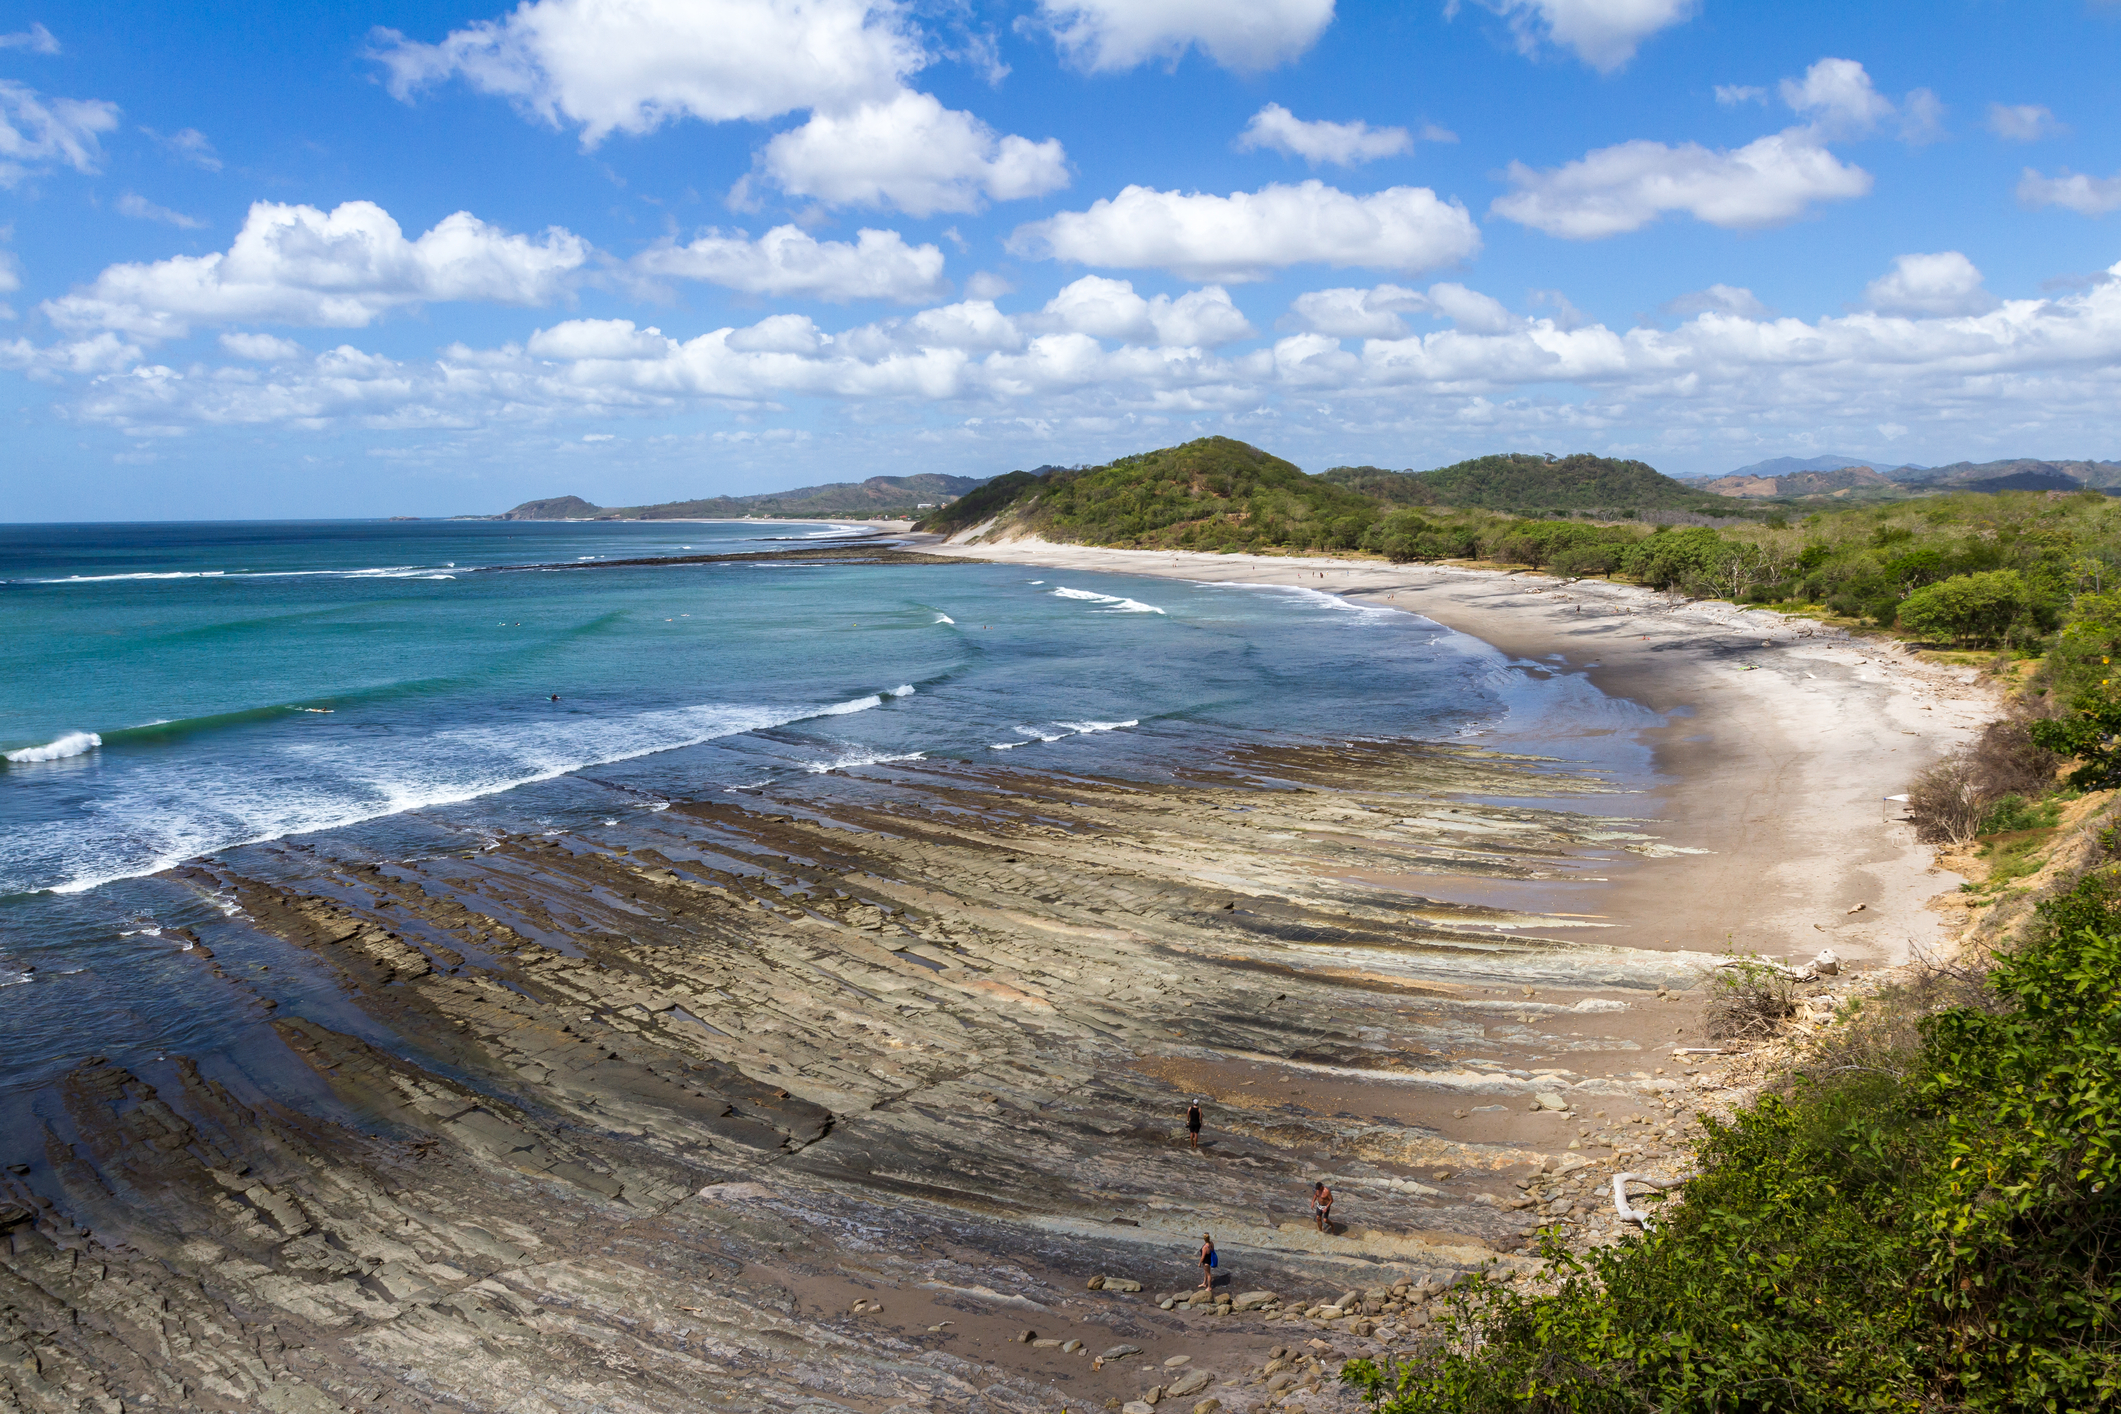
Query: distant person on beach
1207, 1262
1193, 1122
1322, 1205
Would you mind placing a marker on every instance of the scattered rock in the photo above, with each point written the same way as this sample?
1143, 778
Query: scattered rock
1208, 1406
1827, 963
1117, 1284
1120, 1352
1095, 1284
1177, 1360
1069, 1347
1252, 1301
1548, 1100
1192, 1383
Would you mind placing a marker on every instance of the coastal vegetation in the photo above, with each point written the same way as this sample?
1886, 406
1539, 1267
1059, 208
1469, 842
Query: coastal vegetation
1922, 1219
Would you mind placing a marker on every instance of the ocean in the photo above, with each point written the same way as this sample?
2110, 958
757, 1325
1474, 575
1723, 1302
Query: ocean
280, 691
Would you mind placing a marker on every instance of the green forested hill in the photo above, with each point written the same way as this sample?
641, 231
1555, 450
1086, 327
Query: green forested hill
1214, 493
1523, 483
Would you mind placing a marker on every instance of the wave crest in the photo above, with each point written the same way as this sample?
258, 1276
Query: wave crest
72, 744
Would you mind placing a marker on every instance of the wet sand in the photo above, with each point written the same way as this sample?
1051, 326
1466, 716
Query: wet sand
825, 1098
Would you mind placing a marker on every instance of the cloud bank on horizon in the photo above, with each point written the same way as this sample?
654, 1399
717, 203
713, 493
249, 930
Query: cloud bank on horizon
642, 249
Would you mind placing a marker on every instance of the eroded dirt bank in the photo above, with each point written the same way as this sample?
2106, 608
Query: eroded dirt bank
824, 1100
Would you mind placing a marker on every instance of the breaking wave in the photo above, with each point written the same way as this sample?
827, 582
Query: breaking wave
1117, 604
72, 744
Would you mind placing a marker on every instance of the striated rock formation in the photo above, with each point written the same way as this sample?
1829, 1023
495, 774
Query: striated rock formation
818, 1101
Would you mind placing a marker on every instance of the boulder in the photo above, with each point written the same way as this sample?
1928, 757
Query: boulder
1252, 1301
1548, 1100
1119, 1352
1095, 1284
1208, 1406
1137, 1406
1826, 963
1069, 1347
1120, 1284
1193, 1382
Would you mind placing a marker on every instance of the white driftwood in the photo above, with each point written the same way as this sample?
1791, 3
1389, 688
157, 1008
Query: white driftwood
1636, 1216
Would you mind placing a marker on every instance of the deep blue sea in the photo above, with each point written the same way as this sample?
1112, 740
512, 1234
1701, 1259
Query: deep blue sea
174, 690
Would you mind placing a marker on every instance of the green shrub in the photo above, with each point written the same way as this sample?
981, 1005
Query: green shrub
1969, 609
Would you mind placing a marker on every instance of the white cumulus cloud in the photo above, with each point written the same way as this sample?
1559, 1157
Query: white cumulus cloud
1624, 188
1838, 96
789, 261
38, 133
911, 153
261, 348
2093, 196
1603, 33
1110, 309
1246, 235
1768, 181
1342, 144
1934, 286
1376, 313
2022, 122
633, 65
299, 265
1245, 35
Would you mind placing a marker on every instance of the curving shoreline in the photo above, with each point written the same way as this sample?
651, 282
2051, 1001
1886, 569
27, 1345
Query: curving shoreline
1783, 738
826, 1096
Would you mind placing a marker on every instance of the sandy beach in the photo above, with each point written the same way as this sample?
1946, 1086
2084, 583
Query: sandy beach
1784, 740
865, 1092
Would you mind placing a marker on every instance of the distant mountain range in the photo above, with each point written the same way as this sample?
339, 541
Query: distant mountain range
1846, 478
880, 497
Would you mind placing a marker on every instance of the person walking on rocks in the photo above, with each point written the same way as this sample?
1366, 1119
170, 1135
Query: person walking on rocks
1207, 1262
1193, 1122
1322, 1205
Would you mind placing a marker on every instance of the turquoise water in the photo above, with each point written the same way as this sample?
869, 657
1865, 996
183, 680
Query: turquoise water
172, 691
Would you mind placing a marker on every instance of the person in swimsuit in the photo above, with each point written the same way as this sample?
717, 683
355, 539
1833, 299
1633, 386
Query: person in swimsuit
1322, 1205
1193, 1122
1207, 1262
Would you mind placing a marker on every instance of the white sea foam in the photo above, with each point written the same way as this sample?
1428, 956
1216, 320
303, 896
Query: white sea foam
72, 744
1297, 594
1116, 603
944, 619
1038, 733
877, 758
1099, 726
168, 823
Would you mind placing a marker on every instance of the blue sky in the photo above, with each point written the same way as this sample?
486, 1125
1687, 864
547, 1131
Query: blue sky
312, 260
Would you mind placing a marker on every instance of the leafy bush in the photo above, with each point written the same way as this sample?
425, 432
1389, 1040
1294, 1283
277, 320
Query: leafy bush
2092, 734
1942, 1238
1969, 608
